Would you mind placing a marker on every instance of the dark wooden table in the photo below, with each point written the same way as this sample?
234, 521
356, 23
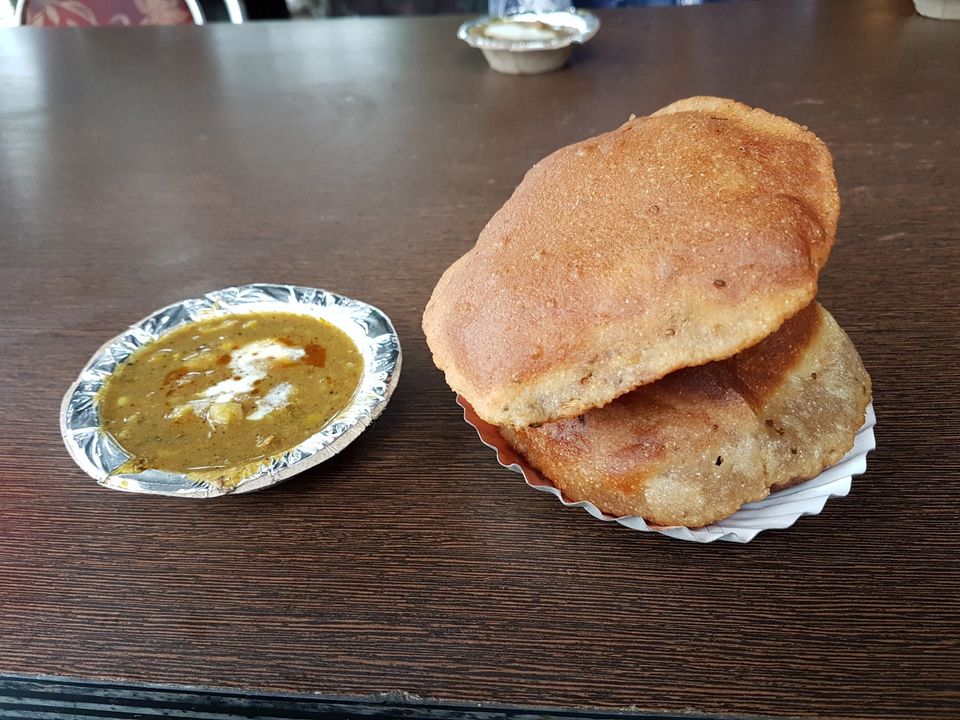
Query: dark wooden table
139, 167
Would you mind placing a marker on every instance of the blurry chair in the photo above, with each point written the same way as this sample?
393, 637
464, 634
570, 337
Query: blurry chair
267, 9
233, 11
87, 13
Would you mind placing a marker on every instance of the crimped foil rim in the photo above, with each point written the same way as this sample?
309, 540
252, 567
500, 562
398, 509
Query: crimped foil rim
777, 511
585, 23
98, 454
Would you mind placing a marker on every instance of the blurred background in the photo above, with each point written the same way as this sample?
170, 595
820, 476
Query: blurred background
68, 12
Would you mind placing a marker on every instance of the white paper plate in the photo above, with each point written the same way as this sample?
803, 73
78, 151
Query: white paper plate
777, 511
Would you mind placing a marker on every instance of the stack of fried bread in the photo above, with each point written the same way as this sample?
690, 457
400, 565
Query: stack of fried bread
639, 318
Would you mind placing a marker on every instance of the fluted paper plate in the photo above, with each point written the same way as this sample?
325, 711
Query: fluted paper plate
777, 511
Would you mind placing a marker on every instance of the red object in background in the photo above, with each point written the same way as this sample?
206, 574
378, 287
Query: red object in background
85, 13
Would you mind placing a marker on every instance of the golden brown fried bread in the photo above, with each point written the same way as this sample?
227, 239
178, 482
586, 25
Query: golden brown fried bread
693, 447
677, 239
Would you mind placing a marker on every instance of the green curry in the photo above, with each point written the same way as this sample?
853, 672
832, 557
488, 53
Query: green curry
214, 396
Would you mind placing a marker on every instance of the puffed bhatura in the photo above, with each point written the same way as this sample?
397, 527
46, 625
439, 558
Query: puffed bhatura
693, 447
639, 318
677, 239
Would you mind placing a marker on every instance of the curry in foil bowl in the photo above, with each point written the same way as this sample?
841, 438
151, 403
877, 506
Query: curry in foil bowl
231, 392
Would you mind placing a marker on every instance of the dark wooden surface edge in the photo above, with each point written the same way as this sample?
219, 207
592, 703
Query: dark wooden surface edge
57, 698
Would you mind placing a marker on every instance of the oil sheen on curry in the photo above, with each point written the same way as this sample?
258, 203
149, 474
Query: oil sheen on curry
219, 394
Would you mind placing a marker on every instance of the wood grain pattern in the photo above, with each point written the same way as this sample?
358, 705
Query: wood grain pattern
141, 167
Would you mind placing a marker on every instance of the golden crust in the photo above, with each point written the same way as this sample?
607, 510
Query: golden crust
677, 239
695, 446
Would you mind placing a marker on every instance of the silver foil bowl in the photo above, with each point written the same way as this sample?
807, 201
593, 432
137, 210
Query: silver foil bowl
530, 56
100, 455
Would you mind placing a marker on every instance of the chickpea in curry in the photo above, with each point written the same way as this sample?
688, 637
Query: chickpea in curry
225, 392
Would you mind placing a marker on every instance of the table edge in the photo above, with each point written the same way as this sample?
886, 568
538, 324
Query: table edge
65, 698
